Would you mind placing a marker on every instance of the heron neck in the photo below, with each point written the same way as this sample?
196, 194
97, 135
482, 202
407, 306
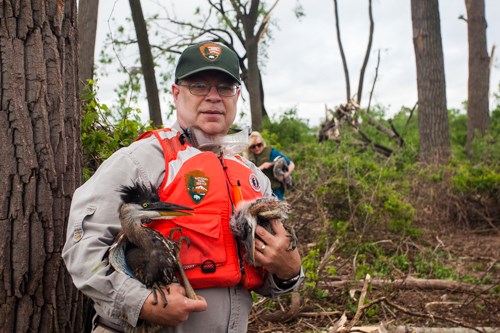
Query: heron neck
136, 233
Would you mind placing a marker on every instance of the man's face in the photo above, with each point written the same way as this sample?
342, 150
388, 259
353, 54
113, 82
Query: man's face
213, 114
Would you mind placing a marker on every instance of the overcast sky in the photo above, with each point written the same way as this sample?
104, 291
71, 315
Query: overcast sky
304, 68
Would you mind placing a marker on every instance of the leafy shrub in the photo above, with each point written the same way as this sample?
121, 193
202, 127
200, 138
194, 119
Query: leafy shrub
104, 132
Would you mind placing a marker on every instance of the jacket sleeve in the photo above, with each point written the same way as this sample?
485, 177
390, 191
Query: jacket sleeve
92, 226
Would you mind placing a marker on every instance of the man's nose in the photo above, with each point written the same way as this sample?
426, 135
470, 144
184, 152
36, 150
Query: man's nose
213, 93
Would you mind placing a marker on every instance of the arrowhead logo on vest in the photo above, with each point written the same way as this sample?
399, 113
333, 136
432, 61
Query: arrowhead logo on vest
197, 184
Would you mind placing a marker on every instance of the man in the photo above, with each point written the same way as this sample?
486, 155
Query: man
205, 92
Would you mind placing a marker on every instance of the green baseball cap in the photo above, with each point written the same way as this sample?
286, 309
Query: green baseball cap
208, 56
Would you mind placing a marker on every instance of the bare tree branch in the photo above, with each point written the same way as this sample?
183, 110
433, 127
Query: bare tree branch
342, 54
374, 81
367, 54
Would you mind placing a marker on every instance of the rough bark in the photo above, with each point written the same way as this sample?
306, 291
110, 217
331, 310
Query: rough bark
147, 63
87, 27
479, 73
433, 125
40, 162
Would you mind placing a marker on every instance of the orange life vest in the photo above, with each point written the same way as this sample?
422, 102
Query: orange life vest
211, 185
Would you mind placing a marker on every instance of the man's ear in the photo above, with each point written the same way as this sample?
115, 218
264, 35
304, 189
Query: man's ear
175, 91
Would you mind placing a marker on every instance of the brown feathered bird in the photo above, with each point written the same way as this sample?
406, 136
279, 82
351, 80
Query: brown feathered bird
249, 214
280, 167
143, 253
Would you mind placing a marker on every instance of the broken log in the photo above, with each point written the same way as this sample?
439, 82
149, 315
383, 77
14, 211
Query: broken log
412, 283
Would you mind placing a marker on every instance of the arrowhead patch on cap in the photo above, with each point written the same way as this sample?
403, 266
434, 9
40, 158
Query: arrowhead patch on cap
210, 51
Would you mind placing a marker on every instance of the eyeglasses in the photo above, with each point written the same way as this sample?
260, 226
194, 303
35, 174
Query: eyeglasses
203, 89
257, 145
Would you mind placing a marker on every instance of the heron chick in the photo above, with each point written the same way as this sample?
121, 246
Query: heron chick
249, 214
280, 167
142, 252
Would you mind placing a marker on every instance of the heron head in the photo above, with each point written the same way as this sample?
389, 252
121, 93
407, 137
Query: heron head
142, 203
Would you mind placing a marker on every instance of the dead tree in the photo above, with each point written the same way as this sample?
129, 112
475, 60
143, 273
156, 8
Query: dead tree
349, 113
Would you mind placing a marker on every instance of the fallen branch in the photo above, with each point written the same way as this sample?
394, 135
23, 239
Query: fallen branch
412, 283
430, 316
282, 316
319, 314
405, 329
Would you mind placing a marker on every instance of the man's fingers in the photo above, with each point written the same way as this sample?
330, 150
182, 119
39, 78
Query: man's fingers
198, 305
278, 227
175, 288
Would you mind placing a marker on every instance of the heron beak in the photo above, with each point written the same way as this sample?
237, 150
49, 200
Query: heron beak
249, 240
170, 209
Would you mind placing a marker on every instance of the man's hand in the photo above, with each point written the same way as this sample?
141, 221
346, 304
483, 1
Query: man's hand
177, 311
275, 257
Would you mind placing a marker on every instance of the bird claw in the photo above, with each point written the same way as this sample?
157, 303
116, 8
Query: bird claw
173, 231
157, 289
181, 238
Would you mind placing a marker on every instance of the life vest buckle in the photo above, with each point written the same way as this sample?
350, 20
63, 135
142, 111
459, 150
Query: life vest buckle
208, 266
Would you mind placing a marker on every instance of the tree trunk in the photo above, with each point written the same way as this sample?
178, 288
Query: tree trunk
262, 102
147, 63
342, 54
433, 126
247, 17
87, 29
253, 83
479, 73
40, 162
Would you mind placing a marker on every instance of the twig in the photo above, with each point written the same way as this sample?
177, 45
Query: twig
319, 314
338, 324
431, 316
326, 257
360, 309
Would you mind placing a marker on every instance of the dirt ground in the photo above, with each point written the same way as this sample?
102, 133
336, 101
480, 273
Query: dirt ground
469, 250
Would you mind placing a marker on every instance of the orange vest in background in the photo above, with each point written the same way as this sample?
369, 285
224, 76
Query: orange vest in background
211, 185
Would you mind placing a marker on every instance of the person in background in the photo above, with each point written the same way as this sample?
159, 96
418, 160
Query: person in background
178, 163
276, 166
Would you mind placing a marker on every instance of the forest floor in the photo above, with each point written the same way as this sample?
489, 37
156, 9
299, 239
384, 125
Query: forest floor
472, 253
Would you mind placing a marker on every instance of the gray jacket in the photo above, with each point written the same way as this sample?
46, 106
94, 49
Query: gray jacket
93, 225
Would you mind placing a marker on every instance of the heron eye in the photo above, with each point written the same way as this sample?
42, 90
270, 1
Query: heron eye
145, 205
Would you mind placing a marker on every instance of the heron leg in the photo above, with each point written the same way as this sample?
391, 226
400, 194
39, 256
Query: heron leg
293, 240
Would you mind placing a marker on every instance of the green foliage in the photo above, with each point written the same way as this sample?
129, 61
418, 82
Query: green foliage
370, 202
430, 265
104, 131
458, 126
287, 130
486, 148
483, 179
